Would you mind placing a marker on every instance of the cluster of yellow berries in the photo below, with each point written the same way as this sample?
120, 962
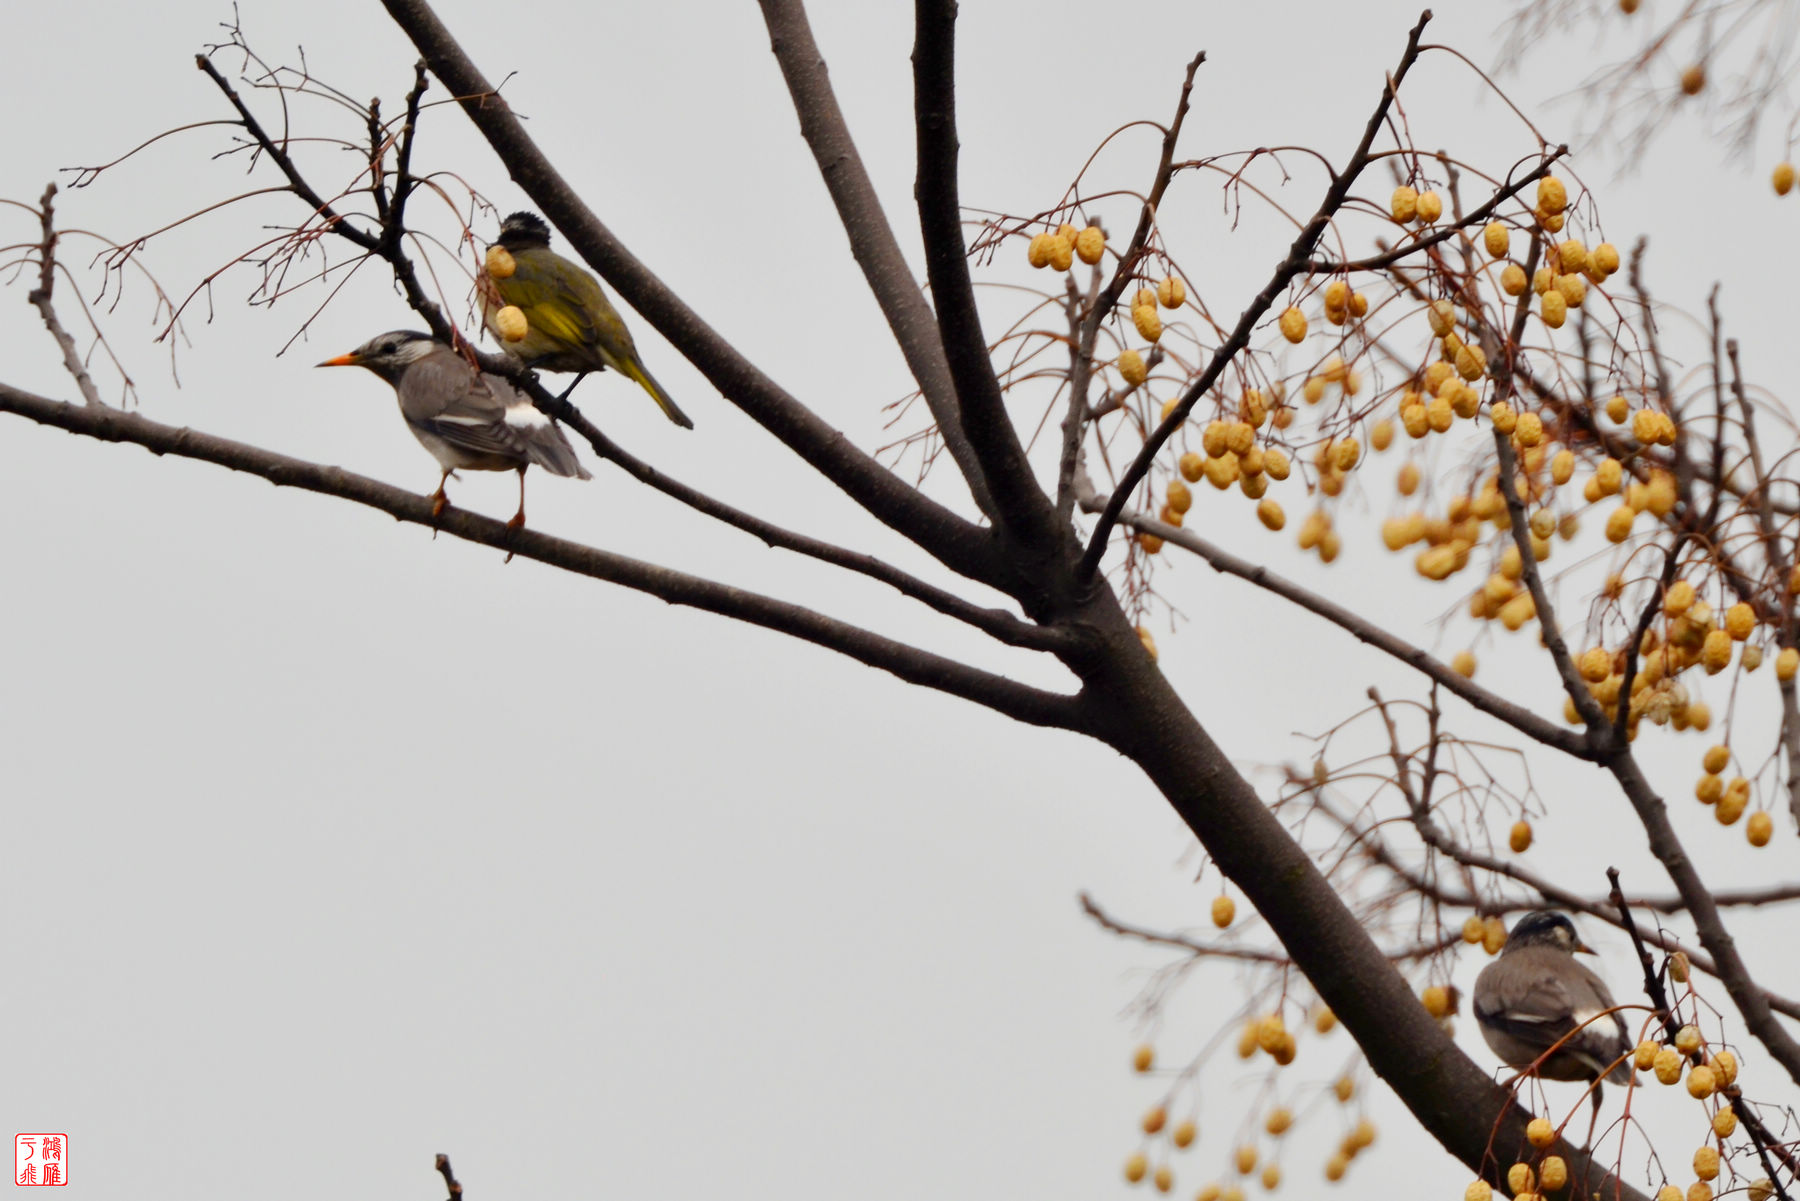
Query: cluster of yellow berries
1232, 456
1169, 293
510, 321
1270, 1035
1730, 798
1451, 539
1693, 636
1529, 1181
1408, 205
1059, 250
1489, 933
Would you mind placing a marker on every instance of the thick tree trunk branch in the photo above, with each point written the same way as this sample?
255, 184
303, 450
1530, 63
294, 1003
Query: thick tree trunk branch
872, 241
955, 542
1027, 512
911, 664
1453, 1098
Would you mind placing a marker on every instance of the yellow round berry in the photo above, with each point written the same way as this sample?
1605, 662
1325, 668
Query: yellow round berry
1148, 323
1171, 293
1430, 207
1271, 1177
1180, 498
1701, 1082
1667, 1065
1706, 1163
1554, 309
1520, 838
1760, 828
1293, 325
1497, 238
1724, 1066
1183, 1134
1136, 1165
1336, 1166
1090, 244
1785, 663
1479, 1190
1553, 1173
1520, 1179
1552, 196
1716, 758
1245, 1159
1224, 909
1724, 1123
1269, 512
500, 263
512, 324
1143, 1057
1513, 280
1783, 178
1463, 664
1278, 1121
1693, 79
1404, 204
1687, 1040
1740, 621
1131, 367
1164, 1178
1715, 652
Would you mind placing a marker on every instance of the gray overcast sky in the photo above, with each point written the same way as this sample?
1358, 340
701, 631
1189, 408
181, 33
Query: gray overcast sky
331, 847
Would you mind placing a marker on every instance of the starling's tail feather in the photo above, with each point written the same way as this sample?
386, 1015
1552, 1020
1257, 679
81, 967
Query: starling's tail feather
669, 408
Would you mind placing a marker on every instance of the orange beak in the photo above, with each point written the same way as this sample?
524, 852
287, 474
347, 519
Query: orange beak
1581, 948
343, 360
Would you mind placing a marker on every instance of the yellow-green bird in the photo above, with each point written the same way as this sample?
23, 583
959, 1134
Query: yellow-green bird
569, 323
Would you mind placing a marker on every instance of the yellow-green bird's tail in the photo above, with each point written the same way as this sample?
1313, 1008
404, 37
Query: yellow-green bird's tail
670, 409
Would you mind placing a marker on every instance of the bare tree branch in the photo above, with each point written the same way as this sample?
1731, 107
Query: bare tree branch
1295, 263
955, 542
872, 241
1027, 512
40, 297
915, 666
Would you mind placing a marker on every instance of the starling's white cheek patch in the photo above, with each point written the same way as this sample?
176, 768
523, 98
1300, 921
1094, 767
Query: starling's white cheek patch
453, 419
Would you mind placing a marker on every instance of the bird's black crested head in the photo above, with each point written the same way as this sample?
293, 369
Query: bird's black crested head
524, 229
1542, 928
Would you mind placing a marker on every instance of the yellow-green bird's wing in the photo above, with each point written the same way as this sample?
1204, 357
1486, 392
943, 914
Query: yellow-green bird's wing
573, 326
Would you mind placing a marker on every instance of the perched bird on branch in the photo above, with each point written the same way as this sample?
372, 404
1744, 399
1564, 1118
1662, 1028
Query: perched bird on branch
568, 323
466, 418
1541, 1010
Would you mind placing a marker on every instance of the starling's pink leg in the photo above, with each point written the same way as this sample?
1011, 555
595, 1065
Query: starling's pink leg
438, 500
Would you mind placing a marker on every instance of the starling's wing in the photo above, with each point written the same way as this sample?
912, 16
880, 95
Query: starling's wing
1537, 997
541, 438
1606, 1038
442, 397
1527, 997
